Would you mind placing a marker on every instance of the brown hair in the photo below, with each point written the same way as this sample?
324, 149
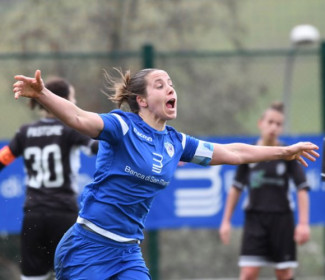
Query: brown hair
276, 106
58, 86
127, 88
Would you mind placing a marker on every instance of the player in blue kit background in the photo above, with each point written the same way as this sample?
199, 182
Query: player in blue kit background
51, 154
138, 154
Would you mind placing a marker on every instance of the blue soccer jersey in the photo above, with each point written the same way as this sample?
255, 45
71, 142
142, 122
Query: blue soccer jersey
134, 163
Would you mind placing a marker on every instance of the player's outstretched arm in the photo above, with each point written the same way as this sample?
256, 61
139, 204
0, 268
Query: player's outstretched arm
86, 122
239, 153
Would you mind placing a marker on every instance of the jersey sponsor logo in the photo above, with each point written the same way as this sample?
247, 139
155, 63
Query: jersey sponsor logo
147, 178
141, 135
45, 131
170, 149
258, 179
157, 165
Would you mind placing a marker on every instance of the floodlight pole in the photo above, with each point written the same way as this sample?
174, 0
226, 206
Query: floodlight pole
300, 35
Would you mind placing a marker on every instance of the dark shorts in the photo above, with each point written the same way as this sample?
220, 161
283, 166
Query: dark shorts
83, 255
41, 232
268, 240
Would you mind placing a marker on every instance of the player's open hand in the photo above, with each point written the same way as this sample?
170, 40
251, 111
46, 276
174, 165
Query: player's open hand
302, 150
225, 232
302, 233
28, 87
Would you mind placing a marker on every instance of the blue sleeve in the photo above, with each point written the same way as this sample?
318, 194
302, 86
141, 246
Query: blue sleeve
190, 146
197, 151
115, 127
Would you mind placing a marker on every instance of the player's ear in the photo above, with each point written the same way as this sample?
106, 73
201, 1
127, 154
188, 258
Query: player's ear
260, 126
142, 101
259, 122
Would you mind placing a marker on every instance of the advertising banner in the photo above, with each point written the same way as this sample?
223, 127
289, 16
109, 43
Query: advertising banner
195, 198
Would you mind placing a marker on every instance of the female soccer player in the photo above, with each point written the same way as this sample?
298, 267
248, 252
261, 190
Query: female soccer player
269, 233
50, 151
138, 154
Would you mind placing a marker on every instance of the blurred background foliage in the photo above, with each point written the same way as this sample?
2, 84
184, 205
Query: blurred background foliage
106, 25
227, 59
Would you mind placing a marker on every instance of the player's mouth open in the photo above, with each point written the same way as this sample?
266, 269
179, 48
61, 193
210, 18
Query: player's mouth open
171, 103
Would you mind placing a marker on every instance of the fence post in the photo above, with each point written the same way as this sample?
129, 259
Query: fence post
148, 57
322, 78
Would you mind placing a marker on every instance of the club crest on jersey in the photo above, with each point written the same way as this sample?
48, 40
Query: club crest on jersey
280, 168
252, 165
170, 149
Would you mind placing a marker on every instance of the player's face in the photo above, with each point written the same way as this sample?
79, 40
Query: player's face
271, 125
161, 96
